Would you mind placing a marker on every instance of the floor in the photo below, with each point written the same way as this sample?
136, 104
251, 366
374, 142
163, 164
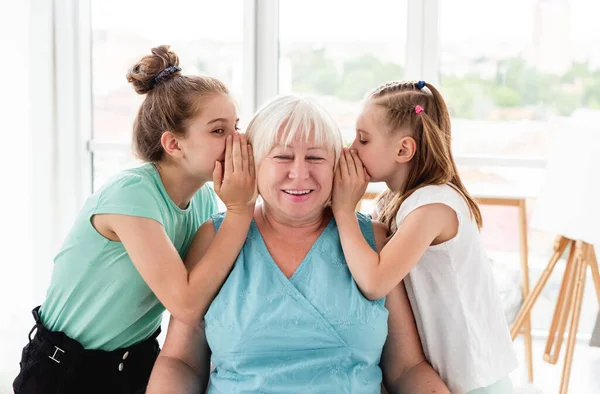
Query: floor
585, 373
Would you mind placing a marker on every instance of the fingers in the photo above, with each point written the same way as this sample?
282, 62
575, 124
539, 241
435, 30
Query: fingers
337, 175
358, 165
244, 150
352, 167
251, 161
217, 177
237, 153
344, 174
228, 157
351, 163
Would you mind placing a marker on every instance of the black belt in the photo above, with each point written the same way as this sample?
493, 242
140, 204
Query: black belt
60, 348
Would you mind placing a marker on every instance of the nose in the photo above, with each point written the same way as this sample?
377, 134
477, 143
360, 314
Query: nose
354, 144
299, 169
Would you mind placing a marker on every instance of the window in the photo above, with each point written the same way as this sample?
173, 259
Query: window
499, 82
339, 51
207, 36
530, 63
511, 72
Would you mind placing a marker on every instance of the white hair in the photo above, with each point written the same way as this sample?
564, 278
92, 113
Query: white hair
289, 117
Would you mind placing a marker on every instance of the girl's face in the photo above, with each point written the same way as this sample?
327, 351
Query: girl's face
204, 142
375, 143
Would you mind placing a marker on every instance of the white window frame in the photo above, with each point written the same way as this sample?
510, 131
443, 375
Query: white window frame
73, 106
422, 41
45, 142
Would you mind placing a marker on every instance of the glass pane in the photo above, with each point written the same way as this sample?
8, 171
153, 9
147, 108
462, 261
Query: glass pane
512, 72
507, 87
339, 60
124, 31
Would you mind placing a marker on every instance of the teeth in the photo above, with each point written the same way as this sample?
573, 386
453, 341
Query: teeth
298, 192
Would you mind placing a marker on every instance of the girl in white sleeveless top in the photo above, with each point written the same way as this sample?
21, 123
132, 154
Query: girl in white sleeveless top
403, 139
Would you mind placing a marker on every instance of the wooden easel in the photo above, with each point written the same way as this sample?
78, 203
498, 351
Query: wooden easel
581, 255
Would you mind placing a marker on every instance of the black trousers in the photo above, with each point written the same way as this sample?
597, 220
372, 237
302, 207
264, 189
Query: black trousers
53, 363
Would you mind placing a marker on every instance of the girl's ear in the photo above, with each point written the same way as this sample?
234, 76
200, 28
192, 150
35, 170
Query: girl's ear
406, 149
171, 145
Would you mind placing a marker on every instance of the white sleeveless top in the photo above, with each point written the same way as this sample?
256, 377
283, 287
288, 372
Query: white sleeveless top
456, 305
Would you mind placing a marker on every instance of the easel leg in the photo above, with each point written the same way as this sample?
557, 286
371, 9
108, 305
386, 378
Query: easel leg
580, 268
561, 312
525, 268
559, 248
593, 263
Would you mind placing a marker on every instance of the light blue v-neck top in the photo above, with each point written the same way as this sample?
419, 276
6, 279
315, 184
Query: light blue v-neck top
314, 332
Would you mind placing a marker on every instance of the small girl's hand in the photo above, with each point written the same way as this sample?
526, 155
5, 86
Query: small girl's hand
236, 183
350, 182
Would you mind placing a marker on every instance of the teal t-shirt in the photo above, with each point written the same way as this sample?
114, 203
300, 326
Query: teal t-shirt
96, 295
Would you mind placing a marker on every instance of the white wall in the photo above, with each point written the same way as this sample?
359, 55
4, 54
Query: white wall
15, 196
26, 167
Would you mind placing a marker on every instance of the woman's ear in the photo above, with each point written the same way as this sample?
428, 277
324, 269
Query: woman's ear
406, 149
171, 145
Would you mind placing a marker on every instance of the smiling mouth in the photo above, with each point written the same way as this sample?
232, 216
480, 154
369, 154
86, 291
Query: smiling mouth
298, 192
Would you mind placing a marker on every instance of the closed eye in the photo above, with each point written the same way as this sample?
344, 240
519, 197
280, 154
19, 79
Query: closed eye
283, 157
315, 158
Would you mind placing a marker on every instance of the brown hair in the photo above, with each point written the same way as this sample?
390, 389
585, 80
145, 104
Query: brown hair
432, 163
171, 100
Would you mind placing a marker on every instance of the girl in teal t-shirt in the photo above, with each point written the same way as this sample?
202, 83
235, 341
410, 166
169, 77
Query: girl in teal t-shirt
122, 264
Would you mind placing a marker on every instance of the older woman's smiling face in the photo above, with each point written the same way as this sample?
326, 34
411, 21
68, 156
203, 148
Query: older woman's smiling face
296, 181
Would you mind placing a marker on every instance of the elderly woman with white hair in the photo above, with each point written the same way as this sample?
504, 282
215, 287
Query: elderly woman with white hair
289, 318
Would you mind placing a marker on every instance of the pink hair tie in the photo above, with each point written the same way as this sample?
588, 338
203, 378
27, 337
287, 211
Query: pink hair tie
419, 109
